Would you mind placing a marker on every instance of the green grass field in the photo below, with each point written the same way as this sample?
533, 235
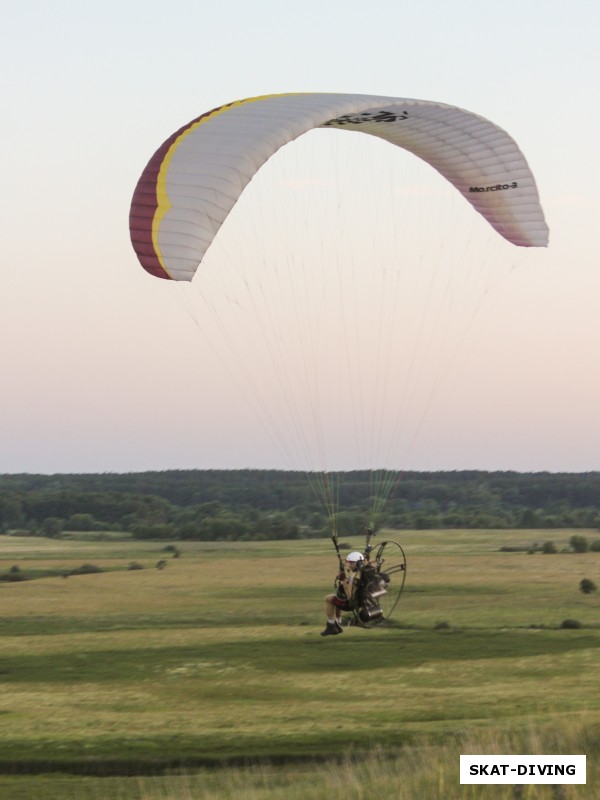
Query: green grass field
209, 678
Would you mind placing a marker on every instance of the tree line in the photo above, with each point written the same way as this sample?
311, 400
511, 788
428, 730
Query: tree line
273, 504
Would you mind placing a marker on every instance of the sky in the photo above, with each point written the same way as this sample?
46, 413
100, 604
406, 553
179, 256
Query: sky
106, 369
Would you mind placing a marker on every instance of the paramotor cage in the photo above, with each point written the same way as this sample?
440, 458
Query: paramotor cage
380, 582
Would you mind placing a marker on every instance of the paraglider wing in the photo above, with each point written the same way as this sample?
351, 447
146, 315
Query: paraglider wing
195, 178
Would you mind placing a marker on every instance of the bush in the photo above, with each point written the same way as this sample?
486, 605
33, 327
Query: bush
13, 577
579, 544
135, 565
570, 623
549, 547
595, 546
79, 522
52, 527
587, 586
86, 569
153, 531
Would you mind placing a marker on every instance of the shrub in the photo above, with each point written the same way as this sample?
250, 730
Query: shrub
595, 546
52, 527
570, 623
160, 530
587, 586
86, 569
79, 522
135, 565
442, 626
13, 577
579, 544
549, 547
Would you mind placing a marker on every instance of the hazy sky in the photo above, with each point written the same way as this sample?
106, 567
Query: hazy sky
108, 369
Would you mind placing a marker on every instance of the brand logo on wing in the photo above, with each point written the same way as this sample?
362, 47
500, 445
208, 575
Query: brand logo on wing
496, 187
368, 116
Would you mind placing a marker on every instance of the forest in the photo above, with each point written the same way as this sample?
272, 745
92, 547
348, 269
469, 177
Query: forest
207, 505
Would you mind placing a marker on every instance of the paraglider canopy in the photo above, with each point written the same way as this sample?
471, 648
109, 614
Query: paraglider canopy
341, 327
197, 175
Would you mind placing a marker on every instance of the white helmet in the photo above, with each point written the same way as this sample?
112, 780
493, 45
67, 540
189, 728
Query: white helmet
355, 556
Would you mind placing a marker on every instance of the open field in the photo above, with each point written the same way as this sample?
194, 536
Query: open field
217, 658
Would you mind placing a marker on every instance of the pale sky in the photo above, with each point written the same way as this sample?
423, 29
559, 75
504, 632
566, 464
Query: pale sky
108, 369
